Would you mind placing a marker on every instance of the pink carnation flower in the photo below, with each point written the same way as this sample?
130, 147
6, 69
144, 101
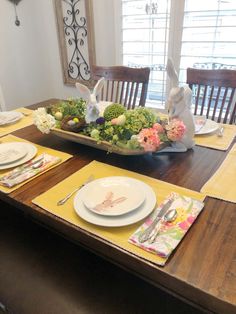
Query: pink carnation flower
149, 139
175, 130
158, 127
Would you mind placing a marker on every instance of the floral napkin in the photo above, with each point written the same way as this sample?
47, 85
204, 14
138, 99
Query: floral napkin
170, 233
199, 122
28, 170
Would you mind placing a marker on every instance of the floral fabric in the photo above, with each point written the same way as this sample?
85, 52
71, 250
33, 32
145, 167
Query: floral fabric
170, 233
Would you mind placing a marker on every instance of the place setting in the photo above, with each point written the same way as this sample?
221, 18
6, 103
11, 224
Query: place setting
116, 201
211, 134
11, 121
21, 161
119, 205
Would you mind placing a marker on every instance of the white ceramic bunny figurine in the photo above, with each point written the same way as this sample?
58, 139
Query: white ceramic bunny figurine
179, 106
92, 111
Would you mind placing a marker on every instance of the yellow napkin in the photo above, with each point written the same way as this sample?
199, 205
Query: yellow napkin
116, 235
22, 123
222, 184
213, 141
41, 150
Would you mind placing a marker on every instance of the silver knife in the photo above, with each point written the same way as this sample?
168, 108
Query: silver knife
148, 232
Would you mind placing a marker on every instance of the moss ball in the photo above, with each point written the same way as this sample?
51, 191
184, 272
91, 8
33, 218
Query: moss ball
113, 111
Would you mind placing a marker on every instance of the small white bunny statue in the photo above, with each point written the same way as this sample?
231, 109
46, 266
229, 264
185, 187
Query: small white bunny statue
179, 106
92, 111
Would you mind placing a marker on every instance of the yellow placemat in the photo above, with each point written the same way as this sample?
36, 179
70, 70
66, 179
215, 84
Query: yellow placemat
222, 184
41, 150
22, 123
213, 141
119, 235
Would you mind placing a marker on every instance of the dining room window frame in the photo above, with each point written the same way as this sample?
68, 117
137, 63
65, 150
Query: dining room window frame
179, 12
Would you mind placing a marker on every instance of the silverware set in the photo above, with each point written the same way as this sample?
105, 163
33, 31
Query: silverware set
164, 215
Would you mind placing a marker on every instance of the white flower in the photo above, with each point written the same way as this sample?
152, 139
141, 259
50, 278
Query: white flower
43, 120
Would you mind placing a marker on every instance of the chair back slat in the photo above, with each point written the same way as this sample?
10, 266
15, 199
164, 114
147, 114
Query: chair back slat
122, 91
209, 101
233, 108
214, 93
203, 99
128, 86
112, 90
197, 98
131, 94
107, 91
126, 94
230, 104
135, 94
222, 105
216, 103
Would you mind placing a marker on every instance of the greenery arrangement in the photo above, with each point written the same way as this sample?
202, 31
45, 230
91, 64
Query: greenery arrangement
139, 128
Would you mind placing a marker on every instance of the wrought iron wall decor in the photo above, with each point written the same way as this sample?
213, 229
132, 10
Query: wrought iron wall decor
15, 2
76, 39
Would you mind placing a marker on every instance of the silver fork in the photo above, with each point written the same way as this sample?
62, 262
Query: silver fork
63, 200
220, 131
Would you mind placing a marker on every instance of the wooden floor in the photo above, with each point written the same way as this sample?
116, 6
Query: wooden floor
41, 273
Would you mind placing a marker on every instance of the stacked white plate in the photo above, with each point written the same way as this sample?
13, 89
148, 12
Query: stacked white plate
114, 201
9, 117
13, 154
204, 125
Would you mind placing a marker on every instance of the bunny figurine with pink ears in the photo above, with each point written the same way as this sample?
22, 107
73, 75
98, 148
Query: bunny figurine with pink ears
179, 107
92, 110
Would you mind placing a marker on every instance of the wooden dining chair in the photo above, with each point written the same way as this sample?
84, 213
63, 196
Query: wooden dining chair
214, 93
124, 85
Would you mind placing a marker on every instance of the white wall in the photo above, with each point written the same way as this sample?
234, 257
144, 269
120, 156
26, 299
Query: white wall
30, 66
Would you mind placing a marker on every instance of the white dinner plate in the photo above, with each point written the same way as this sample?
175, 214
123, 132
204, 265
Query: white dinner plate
113, 196
31, 151
210, 126
11, 152
9, 117
117, 221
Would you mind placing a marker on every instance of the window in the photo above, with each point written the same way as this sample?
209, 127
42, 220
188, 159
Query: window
193, 33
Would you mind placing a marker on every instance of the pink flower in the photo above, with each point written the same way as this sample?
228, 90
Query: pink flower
158, 127
175, 130
149, 139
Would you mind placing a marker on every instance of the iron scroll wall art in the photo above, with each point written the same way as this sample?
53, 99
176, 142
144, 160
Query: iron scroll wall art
15, 2
76, 39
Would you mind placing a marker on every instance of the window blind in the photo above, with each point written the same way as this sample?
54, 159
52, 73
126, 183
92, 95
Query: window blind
208, 38
145, 32
193, 33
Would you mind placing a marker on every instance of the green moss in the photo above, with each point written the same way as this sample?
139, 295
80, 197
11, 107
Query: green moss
113, 111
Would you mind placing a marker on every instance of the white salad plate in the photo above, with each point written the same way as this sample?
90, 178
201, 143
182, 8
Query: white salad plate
31, 151
11, 152
204, 126
8, 117
116, 221
113, 196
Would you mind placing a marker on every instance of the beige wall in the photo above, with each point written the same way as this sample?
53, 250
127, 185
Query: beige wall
30, 67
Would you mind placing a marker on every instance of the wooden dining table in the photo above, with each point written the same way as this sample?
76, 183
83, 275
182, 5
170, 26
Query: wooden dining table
202, 269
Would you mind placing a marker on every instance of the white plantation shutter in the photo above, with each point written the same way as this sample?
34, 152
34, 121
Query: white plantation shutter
145, 31
194, 33
209, 35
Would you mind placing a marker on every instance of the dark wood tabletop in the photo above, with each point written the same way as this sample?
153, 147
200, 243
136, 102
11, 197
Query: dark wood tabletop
202, 270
